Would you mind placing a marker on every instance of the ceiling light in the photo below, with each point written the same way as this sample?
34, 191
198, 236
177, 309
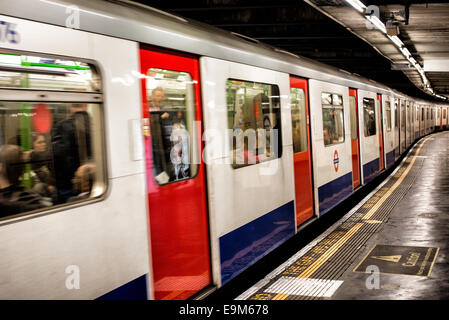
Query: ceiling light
377, 23
358, 5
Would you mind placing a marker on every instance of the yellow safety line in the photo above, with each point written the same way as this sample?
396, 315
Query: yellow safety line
319, 262
330, 252
334, 248
373, 210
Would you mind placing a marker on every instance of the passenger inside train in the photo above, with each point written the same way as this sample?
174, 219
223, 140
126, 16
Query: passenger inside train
171, 113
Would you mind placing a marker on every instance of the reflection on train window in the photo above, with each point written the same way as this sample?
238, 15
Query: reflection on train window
171, 103
50, 153
254, 116
388, 111
333, 118
299, 119
369, 117
353, 114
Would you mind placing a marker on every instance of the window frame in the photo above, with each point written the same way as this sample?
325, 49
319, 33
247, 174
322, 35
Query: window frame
333, 106
375, 116
194, 145
236, 166
60, 96
388, 114
305, 121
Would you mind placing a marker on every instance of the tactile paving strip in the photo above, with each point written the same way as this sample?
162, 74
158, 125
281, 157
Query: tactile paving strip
315, 274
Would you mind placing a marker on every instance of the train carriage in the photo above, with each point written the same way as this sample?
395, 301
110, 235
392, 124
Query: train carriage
197, 152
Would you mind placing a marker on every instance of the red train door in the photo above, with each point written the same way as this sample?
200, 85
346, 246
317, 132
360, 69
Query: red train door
301, 149
381, 139
354, 114
179, 240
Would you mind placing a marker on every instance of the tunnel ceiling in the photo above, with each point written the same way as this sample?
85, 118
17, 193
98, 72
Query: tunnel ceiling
319, 30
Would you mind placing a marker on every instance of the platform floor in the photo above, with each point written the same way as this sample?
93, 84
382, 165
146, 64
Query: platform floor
393, 245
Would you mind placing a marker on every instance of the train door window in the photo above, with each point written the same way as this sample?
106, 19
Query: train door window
369, 117
402, 116
254, 116
388, 113
353, 116
444, 114
408, 113
333, 118
299, 119
439, 113
172, 113
51, 153
422, 113
396, 114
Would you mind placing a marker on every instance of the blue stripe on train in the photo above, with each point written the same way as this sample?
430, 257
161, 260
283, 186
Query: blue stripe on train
334, 192
370, 170
245, 245
390, 158
133, 290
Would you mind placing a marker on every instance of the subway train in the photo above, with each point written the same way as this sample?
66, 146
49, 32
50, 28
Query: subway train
147, 156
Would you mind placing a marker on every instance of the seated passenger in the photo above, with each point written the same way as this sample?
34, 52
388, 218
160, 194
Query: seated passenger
83, 182
41, 164
13, 197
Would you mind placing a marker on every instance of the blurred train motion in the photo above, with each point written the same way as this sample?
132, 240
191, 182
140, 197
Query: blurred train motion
144, 155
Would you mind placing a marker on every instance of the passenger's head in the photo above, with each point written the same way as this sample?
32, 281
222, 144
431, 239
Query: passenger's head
84, 178
157, 95
78, 107
38, 142
11, 164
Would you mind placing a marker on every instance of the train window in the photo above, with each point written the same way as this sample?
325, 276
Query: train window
369, 117
396, 114
50, 152
444, 114
388, 112
439, 113
422, 114
333, 118
254, 116
402, 115
408, 113
353, 114
299, 119
172, 115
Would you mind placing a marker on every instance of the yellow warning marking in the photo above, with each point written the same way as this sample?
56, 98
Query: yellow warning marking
373, 221
321, 260
394, 259
373, 210
280, 296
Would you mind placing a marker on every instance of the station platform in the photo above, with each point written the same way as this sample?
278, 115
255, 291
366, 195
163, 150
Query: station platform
393, 245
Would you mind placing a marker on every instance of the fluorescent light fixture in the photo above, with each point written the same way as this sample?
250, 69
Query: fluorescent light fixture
377, 23
358, 5
406, 53
396, 41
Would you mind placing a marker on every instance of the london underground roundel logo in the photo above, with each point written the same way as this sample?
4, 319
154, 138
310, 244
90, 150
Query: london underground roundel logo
336, 160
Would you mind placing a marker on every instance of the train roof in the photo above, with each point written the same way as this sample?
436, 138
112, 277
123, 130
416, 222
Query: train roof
137, 22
